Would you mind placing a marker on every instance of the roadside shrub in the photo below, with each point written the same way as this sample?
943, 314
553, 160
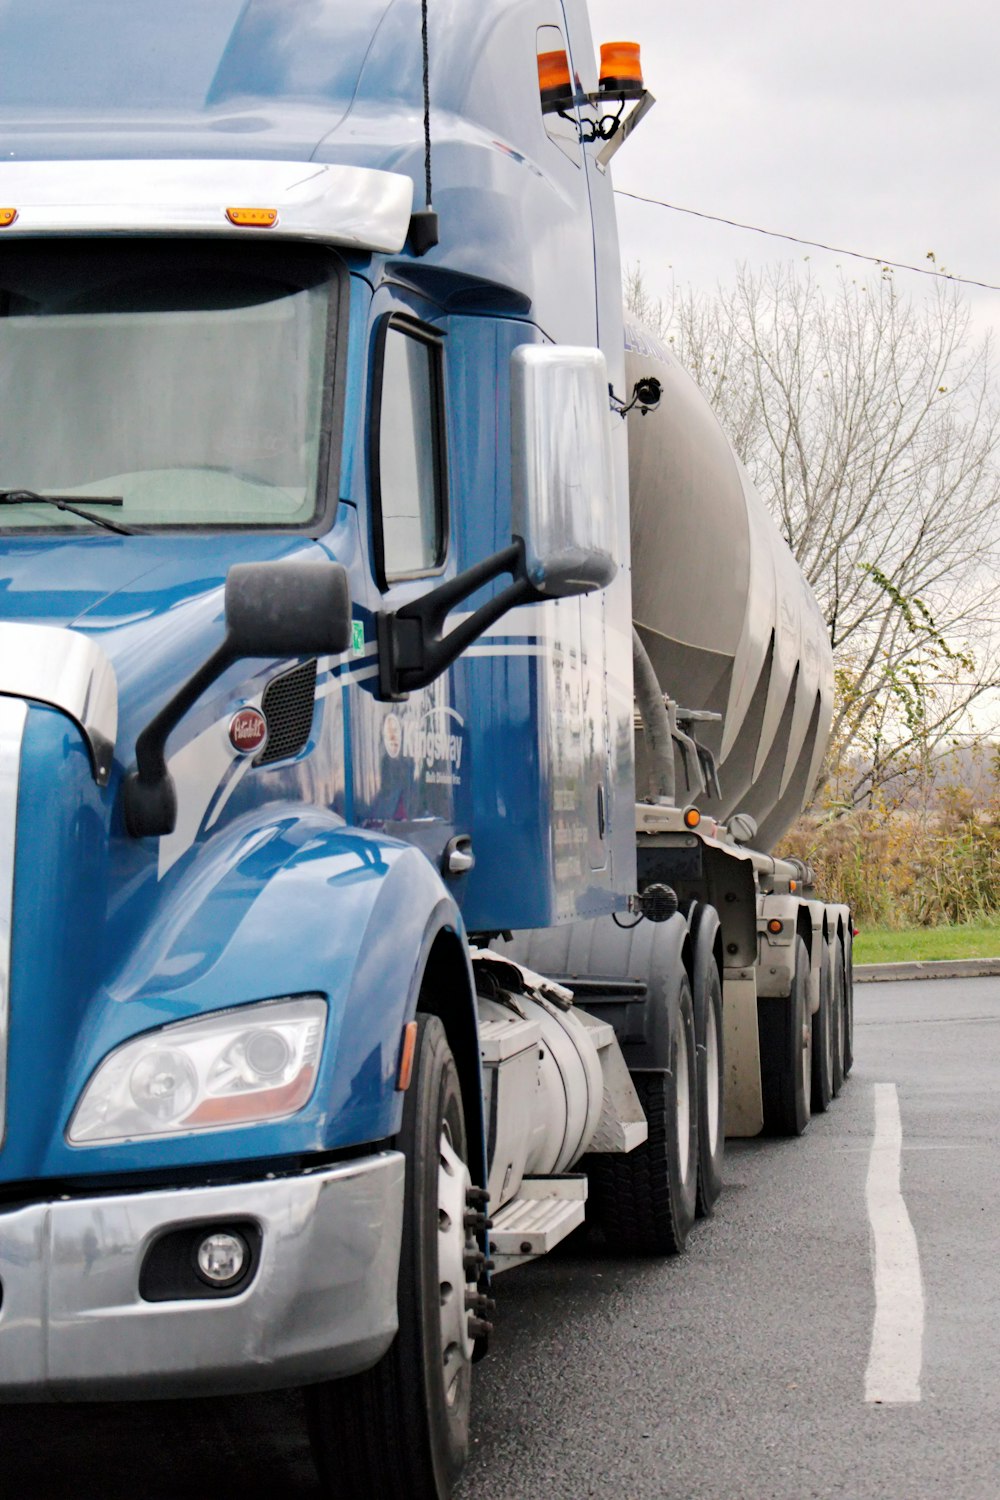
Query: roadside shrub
901, 868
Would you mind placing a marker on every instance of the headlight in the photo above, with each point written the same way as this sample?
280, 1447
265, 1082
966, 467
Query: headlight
234, 1067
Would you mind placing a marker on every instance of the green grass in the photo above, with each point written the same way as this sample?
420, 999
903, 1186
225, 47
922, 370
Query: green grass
882, 946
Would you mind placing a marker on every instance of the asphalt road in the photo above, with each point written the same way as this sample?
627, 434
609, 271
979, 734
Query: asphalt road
737, 1372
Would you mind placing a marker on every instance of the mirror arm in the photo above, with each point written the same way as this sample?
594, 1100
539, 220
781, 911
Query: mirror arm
150, 795
412, 647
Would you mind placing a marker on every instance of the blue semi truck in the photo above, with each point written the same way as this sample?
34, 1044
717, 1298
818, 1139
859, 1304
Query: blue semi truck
353, 556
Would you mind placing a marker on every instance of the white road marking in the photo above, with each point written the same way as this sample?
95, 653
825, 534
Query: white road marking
896, 1353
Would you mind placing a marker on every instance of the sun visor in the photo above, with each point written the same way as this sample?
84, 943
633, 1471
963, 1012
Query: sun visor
354, 207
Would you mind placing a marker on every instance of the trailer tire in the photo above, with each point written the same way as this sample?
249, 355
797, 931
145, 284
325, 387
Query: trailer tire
401, 1430
784, 1028
645, 1200
711, 1089
823, 1037
838, 1000
848, 1002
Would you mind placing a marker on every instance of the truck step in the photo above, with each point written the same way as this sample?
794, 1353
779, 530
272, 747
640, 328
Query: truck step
545, 1211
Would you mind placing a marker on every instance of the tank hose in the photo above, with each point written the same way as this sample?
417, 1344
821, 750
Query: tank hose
653, 713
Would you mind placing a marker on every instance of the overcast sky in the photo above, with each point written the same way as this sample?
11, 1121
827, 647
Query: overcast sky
870, 126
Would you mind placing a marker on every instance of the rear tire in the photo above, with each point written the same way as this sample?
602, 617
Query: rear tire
711, 1091
645, 1201
848, 1001
837, 1013
785, 1032
401, 1430
822, 1037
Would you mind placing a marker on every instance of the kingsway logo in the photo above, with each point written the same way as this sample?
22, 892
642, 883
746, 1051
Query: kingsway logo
432, 740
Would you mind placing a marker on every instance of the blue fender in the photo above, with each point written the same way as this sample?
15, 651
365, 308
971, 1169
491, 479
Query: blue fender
289, 903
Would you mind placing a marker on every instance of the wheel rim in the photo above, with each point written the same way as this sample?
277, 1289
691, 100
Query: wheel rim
454, 1182
683, 1104
712, 1090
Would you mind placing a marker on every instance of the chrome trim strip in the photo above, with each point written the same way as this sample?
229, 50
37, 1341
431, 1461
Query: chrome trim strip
68, 671
13, 717
358, 207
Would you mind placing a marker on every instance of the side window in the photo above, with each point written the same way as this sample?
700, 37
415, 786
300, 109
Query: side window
408, 459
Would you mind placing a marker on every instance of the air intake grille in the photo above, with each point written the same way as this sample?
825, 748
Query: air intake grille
287, 706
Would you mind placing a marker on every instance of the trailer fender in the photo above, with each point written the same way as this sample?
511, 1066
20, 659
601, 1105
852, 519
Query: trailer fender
706, 944
300, 904
628, 975
776, 946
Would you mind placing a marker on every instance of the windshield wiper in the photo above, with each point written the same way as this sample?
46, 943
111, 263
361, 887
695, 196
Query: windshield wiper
63, 502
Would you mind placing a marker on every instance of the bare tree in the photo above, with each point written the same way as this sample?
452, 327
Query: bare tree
870, 426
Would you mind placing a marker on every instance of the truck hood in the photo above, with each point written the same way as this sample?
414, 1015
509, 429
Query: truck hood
154, 604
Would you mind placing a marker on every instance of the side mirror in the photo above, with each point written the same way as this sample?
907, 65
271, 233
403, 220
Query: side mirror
287, 609
563, 518
563, 484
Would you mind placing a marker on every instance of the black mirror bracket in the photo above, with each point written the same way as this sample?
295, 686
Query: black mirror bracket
150, 796
272, 609
413, 648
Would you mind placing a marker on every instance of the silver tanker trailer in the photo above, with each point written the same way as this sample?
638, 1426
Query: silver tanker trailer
730, 987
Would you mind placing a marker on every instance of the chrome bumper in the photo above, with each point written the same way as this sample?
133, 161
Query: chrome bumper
322, 1301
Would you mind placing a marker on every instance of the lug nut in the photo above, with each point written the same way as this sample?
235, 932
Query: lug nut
478, 1303
479, 1328
477, 1221
476, 1197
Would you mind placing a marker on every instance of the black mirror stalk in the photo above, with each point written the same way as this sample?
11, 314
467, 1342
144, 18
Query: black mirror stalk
272, 609
413, 648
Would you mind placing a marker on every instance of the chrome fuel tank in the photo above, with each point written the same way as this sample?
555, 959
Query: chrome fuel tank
727, 618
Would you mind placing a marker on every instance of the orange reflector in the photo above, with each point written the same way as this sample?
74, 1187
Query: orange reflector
692, 817
793, 886
7, 217
621, 67
775, 924
406, 1056
252, 218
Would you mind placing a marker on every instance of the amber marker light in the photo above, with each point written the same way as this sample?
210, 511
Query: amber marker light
775, 924
7, 217
252, 218
793, 886
692, 817
406, 1056
554, 83
621, 68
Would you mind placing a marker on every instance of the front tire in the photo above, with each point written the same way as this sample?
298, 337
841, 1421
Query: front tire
401, 1430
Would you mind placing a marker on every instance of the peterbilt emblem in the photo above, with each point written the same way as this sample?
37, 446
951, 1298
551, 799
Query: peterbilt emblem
247, 730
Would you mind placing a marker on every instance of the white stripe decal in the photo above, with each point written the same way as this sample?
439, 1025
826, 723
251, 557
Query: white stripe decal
896, 1353
506, 651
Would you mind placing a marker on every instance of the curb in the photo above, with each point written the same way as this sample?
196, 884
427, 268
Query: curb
943, 968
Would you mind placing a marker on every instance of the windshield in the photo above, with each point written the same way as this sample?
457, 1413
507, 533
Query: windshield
186, 380
112, 56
